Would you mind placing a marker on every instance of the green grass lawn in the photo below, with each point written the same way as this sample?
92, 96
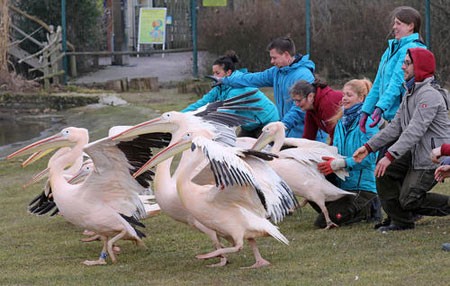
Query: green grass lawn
47, 250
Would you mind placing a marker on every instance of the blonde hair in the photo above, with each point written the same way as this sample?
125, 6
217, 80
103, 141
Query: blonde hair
361, 87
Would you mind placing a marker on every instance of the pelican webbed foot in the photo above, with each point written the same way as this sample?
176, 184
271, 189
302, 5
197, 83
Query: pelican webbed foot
331, 225
94, 262
258, 264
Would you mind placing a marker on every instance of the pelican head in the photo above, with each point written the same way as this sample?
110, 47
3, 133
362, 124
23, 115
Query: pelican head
86, 169
166, 123
173, 122
68, 137
274, 131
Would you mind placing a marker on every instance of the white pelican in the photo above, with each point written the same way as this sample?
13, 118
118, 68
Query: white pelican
238, 204
107, 201
177, 123
298, 166
77, 172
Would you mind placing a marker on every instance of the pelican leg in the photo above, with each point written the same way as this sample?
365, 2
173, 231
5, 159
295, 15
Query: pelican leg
88, 232
91, 238
303, 203
102, 258
216, 243
219, 252
326, 214
260, 262
110, 244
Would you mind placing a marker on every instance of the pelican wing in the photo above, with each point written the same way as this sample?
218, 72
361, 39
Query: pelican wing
139, 150
312, 156
230, 169
227, 167
278, 197
111, 182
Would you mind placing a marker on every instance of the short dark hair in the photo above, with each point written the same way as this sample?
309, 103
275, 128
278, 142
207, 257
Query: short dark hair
282, 44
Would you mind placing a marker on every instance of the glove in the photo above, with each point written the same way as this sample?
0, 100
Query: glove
216, 81
362, 121
376, 116
446, 161
330, 165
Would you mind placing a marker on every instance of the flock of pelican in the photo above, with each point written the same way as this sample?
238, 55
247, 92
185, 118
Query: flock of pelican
233, 189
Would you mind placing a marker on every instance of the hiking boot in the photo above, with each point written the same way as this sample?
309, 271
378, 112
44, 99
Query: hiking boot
394, 227
385, 222
446, 246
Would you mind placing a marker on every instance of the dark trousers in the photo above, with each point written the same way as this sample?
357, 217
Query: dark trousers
404, 192
350, 209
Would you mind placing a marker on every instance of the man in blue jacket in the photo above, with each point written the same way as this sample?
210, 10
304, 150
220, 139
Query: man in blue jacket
288, 68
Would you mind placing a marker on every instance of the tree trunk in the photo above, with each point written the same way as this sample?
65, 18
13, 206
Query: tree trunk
4, 36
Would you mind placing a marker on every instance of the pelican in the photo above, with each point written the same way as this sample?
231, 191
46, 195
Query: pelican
177, 123
298, 166
107, 201
76, 173
238, 204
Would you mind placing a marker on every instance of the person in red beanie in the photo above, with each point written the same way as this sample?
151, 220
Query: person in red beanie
405, 174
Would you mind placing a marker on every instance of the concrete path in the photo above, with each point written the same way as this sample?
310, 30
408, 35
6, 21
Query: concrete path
169, 67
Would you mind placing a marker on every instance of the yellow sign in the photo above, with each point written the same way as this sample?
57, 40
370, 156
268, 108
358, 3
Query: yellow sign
152, 25
214, 3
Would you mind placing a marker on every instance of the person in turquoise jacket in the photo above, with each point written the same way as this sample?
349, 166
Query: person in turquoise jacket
386, 94
288, 68
224, 67
361, 180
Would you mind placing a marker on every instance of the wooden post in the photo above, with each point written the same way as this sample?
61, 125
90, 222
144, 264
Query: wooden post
45, 69
73, 66
54, 52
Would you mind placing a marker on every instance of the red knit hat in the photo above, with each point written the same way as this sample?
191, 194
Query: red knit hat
424, 63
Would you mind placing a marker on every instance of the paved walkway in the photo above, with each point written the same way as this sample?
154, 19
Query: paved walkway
170, 67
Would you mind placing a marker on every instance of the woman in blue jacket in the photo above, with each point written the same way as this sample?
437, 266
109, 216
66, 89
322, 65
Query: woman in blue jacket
361, 180
386, 94
223, 67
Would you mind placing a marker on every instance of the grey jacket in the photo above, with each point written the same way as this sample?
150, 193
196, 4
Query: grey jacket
420, 124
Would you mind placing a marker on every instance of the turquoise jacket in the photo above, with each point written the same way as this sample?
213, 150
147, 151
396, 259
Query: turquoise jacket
362, 175
262, 117
281, 79
387, 89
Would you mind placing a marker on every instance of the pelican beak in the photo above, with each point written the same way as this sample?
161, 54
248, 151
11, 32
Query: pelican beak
151, 126
262, 141
79, 177
36, 156
51, 142
38, 177
165, 154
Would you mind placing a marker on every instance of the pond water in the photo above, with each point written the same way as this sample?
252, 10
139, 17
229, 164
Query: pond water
12, 131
